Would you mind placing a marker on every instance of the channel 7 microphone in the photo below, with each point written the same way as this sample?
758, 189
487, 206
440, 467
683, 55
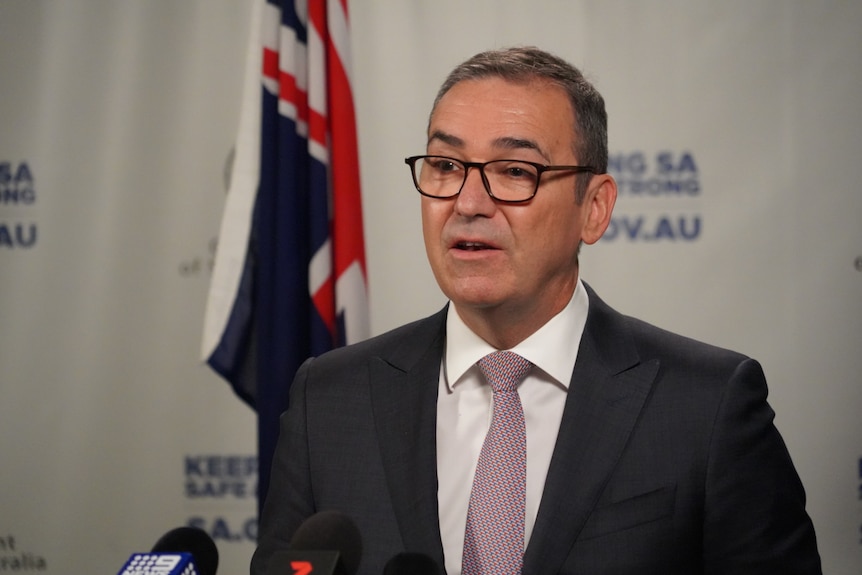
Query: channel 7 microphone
327, 543
180, 551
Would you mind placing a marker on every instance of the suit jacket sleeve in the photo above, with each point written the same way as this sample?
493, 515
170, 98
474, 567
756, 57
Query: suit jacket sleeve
289, 504
755, 519
358, 438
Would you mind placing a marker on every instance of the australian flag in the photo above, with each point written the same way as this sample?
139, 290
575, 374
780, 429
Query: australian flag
289, 279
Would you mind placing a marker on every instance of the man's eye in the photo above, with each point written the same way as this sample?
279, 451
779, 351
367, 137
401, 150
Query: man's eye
446, 166
516, 172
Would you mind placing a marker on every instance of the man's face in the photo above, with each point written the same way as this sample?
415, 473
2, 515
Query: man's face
488, 256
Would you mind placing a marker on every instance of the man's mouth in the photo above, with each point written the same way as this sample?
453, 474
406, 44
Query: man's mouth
473, 246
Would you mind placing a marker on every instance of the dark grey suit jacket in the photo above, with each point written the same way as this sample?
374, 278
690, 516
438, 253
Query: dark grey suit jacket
667, 460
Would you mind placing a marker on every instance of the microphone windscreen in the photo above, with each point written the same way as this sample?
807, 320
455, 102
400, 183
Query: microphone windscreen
330, 531
191, 540
411, 564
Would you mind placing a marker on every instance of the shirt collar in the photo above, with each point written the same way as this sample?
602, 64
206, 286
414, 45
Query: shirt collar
553, 348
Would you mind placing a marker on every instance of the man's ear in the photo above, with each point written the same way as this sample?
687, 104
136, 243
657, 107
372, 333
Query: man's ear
598, 206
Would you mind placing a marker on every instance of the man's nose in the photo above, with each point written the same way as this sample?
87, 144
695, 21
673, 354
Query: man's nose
474, 198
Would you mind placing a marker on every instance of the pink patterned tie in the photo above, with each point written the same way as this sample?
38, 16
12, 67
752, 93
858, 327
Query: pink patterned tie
494, 539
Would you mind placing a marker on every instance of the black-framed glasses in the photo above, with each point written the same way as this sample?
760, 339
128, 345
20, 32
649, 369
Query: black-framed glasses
511, 181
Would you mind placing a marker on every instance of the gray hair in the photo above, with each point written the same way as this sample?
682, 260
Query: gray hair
522, 64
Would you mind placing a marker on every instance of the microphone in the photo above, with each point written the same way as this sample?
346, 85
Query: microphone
410, 563
327, 543
180, 551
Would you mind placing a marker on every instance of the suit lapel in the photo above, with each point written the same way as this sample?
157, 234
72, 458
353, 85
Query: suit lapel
608, 389
404, 383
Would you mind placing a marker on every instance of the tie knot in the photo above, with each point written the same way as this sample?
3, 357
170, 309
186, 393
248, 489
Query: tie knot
504, 370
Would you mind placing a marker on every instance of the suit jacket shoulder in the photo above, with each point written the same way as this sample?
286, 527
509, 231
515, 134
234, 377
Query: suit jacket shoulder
358, 438
624, 340
667, 449
402, 347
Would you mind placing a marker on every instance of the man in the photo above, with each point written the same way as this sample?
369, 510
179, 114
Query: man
645, 452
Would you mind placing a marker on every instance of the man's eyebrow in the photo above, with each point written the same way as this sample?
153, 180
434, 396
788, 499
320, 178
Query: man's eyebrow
508, 143
449, 139
504, 143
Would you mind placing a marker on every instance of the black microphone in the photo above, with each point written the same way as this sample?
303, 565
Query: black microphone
180, 551
327, 543
409, 563
191, 540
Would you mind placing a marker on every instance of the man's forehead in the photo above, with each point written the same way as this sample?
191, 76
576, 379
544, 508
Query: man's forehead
524, 118
501, 143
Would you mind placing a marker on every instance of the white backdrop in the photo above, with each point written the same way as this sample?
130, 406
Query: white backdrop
735, 133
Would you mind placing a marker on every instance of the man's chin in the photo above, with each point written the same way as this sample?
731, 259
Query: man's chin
476, 298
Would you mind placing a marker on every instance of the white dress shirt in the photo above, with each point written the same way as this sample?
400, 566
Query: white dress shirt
464, 413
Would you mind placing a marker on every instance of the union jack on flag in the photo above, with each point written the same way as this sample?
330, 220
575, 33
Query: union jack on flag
289, 279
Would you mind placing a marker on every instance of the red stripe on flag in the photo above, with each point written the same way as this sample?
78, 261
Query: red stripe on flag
270, 63
336, 129
348, 241
317, 18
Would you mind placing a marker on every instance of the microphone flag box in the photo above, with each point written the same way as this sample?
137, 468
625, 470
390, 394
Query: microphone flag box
159, 564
